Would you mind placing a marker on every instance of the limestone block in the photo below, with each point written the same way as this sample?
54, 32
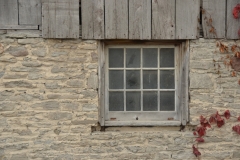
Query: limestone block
200, 81
40, 52
17, 51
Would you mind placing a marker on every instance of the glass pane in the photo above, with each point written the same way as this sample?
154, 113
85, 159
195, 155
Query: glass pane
150, 79
167, 57
116, 101
116, 57
133, 101
150, 102
133, 79
167, 80
115, 79
150, 57
167, 101
133, 58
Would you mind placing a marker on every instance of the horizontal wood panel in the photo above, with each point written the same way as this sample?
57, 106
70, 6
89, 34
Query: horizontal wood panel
18, 27
213, 18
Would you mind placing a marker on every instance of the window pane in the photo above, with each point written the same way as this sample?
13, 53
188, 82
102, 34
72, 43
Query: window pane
116, 101
133, 79
167, 57
116, 57
167, 80
133, 57
133, 101
115, 79
167, 101
150, 57
150, 79
150, 102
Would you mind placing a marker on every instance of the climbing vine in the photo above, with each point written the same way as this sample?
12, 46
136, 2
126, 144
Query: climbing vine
230, 60
207, 122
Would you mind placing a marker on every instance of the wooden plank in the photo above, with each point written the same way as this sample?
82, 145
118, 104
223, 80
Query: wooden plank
185, 48
48, 20
61, 20
187, 19
213, 18
92, 19
232, 23
101, 83
139, 19
87, 19
18, 27
116, 19
8, 12
163, 19
30, 12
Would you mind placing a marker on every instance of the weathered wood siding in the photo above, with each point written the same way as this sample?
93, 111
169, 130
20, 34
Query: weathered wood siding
163, 19
60, 19
92, 19
8, 12
233, 25
213, 18
187, 19
30, 12
140, 19
116, 22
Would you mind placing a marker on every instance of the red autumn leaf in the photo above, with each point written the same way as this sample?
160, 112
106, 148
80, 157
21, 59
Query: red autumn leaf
227, 114
194, 133
196, 151
220, 121
212, 119
236, 128
201, 131
235, 11
204, 122
200, 139
239, 118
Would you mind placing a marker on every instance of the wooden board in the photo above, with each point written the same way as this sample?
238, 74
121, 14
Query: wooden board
30, 12
18, 27
60, 19
8, 12
116, 19
163, 19
140, 19
187, 19
233, 24
92, 19
213, 18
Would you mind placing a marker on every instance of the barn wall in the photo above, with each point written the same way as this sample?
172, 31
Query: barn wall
49, 105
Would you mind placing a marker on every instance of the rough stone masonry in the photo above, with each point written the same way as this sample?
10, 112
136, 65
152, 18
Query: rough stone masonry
49, 105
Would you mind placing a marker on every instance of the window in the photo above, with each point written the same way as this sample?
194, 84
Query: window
143, 85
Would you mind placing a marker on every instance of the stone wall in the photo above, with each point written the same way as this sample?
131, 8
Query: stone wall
49, 105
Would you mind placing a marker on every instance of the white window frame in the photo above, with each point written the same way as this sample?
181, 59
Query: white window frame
135, 118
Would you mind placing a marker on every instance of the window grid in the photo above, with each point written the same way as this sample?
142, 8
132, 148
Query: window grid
141, 69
